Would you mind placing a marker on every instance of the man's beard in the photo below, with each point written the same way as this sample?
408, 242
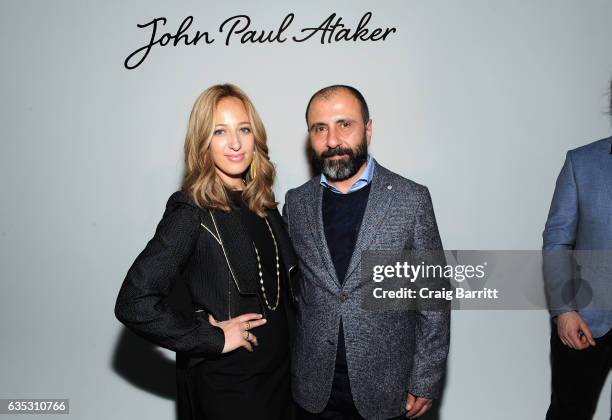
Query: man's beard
343, 168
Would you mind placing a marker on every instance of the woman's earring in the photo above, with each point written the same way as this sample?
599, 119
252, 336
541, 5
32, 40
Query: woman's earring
253, 167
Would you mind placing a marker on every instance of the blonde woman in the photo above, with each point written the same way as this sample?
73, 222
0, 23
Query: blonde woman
223, 235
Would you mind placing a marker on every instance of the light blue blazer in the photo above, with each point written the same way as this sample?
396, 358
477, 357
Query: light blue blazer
580, 218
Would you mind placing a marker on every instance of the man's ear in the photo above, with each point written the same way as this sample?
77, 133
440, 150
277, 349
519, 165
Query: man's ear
368, 129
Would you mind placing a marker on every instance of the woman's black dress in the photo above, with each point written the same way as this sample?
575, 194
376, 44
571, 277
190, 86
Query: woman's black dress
244, 385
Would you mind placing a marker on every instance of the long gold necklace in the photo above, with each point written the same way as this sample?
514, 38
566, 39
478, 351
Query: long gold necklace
261, 281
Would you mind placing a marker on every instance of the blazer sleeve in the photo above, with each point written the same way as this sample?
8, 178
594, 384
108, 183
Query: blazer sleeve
141, 302
432, 335
559, 238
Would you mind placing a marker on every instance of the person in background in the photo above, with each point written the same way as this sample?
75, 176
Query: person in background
580, 219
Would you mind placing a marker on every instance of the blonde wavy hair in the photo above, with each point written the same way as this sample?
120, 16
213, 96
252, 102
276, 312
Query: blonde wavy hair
201, 180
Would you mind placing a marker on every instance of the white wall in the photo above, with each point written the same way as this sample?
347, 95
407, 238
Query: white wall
479, 100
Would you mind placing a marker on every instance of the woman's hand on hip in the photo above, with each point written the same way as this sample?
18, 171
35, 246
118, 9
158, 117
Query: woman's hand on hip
237, 330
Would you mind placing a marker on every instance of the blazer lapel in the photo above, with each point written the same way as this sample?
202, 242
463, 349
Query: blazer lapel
379, 199
315, 214
238, 250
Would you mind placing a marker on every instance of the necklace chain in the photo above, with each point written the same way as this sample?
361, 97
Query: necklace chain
261, 281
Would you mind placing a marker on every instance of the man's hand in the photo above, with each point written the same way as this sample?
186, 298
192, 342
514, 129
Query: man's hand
573, 331
417, 406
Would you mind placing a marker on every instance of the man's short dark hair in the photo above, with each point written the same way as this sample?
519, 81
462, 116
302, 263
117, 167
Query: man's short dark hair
328, 91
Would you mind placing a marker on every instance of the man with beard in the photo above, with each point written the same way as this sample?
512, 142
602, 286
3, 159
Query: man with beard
349, 362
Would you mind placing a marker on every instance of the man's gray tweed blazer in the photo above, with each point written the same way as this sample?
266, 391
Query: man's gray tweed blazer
389, 353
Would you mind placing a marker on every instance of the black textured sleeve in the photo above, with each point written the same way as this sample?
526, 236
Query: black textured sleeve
141, 302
